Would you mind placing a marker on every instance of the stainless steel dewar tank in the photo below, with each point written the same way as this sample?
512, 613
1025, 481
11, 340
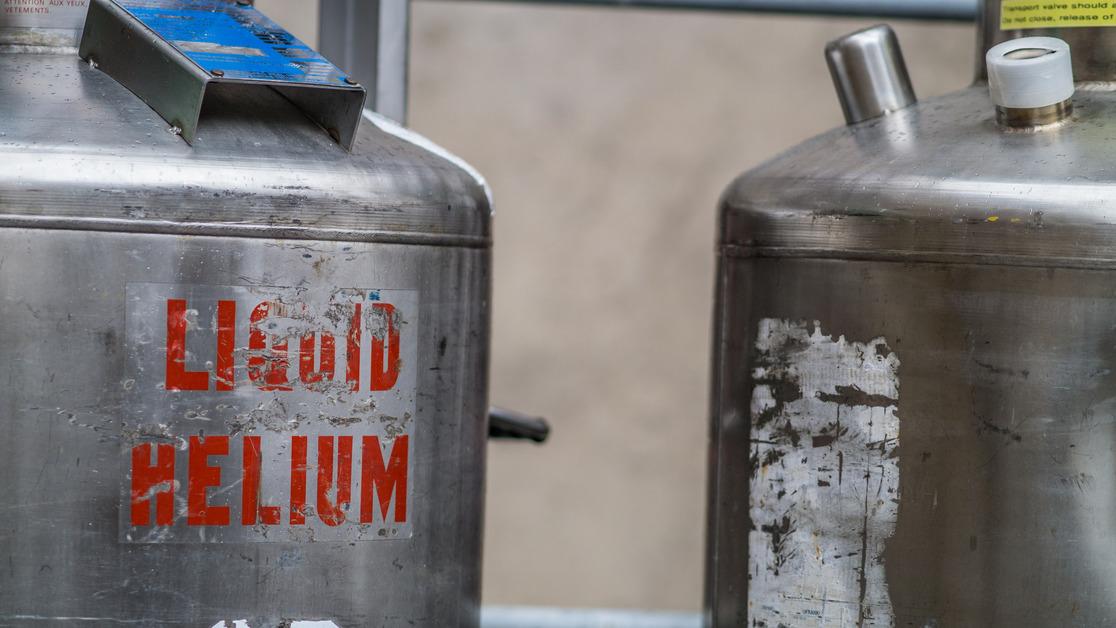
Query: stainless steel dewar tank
914, 400
243, 333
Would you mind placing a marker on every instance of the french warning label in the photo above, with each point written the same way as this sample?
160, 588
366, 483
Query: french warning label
43, 13
268, 414
1023, 14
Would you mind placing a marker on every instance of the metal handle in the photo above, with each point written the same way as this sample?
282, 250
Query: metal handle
510, 424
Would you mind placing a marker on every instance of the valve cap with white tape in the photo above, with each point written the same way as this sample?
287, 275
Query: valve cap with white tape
1031, 81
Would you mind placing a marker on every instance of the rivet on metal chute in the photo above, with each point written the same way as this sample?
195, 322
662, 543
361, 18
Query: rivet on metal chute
869, 74
1030, 81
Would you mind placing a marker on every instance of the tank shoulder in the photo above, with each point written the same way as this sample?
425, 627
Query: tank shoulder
939, 179
77, 146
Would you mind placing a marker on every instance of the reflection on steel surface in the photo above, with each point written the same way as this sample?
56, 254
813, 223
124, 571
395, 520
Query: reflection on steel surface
984, 255
97, 196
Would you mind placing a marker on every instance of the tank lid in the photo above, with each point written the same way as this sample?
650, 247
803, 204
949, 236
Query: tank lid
938, 181
80, 151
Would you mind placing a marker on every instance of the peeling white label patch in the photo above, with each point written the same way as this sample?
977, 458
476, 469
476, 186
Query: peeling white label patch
825, 478
243, 623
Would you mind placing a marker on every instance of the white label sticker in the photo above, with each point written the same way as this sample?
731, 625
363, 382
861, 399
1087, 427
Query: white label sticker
268, 414
825, 484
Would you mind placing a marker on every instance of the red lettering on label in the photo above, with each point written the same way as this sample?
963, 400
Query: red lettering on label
332, 512
383, 480
148, 480
268, 361
306, 371
178, 378
226, 344
384, 375
250, 509
268, 369
298, 480
305, 380
202, 476
379, 484
352, 356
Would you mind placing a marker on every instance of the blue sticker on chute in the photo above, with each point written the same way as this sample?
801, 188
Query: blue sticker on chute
234, 41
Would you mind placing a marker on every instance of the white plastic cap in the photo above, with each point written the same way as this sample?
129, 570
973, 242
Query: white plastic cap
1030, 72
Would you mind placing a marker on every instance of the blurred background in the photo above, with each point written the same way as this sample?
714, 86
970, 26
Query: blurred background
607, 136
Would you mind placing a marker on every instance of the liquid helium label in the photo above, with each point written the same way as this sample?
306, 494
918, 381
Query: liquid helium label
259, 414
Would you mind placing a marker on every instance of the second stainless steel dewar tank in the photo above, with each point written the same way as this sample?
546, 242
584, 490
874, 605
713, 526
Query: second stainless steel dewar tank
243, 379
914, 403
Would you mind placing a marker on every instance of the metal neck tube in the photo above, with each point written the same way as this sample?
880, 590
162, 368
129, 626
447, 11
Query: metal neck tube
869, 73
1094, 49
1033, 117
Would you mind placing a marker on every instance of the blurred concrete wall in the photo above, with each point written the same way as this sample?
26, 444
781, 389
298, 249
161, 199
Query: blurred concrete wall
607, 136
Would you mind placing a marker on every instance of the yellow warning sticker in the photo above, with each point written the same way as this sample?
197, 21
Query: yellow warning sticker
1021, 14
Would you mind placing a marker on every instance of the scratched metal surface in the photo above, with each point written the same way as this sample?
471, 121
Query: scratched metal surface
99, 204
981, 261
939, 181
298, 363
1007, 400
258, 166
68, 401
